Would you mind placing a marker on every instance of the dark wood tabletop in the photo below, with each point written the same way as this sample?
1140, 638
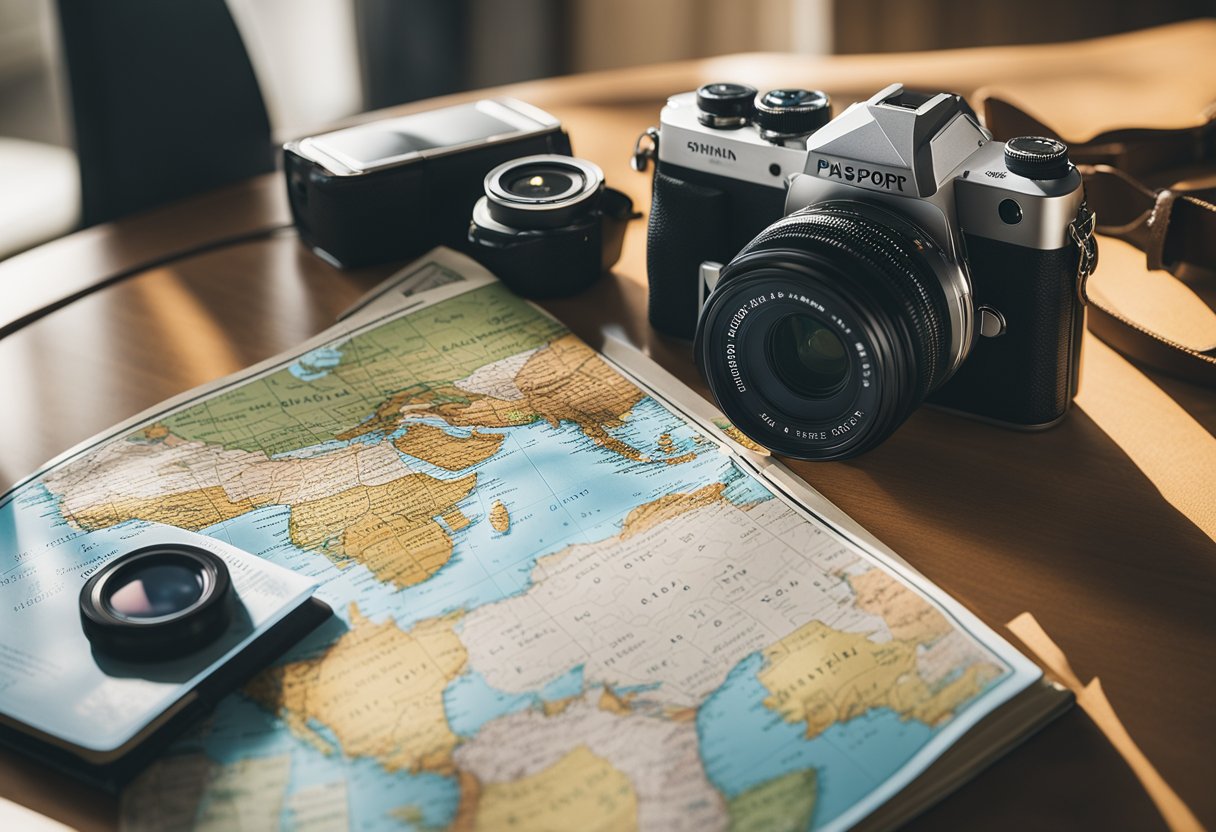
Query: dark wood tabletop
1102, 527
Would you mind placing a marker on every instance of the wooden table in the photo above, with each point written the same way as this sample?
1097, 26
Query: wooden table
1084, 525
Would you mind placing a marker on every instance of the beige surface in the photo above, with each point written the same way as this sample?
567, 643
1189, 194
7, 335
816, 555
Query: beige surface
1101, 527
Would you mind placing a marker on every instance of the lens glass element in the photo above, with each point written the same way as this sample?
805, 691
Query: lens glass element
155, 590
807, 356
542, 183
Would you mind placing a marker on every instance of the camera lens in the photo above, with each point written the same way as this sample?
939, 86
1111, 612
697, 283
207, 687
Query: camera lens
157, 602
538, 192
153, 590
547, 226
828, 329
807, 356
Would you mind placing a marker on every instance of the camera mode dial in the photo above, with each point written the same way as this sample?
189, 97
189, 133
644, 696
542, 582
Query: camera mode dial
1037, 157
725, 105
792, 112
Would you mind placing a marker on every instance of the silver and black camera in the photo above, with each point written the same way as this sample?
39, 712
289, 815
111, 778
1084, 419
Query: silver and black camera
912, 259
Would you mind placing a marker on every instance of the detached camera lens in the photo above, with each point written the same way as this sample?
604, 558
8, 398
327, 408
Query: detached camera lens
547, 226
546, 191
157, 602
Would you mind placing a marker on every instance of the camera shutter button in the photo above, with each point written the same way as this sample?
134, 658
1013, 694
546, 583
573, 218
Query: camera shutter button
1037, 157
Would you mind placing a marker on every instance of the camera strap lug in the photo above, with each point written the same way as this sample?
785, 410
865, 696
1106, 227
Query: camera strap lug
644, 151
1081, 229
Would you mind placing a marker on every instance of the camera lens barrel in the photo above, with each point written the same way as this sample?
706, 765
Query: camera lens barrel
825, 332
157, 602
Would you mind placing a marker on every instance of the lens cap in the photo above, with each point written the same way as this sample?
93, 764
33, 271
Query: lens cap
792, 112
157, 602
725, 104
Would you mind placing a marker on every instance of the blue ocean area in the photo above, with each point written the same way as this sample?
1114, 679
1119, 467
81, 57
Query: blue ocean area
560, 489
745, 744
316, 364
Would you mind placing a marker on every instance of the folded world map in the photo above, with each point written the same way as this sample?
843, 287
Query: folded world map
563, 600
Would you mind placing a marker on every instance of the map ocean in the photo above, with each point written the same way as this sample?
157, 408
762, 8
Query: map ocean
562, 488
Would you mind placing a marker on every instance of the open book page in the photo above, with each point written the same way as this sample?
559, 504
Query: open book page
566, 599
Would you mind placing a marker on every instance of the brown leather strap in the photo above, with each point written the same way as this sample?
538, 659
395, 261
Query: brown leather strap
1142, 185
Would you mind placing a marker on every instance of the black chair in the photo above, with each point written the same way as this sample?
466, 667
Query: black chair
164, 102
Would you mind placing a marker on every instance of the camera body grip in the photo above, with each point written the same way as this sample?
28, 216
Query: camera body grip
694, 217
1026, 377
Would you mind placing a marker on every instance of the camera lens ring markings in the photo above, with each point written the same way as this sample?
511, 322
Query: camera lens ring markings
732, 349
886, 293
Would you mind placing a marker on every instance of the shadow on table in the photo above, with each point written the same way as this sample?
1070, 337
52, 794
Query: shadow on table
1061, 778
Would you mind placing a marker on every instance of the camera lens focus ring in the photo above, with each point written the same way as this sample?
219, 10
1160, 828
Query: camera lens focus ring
906, 276
867, 277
